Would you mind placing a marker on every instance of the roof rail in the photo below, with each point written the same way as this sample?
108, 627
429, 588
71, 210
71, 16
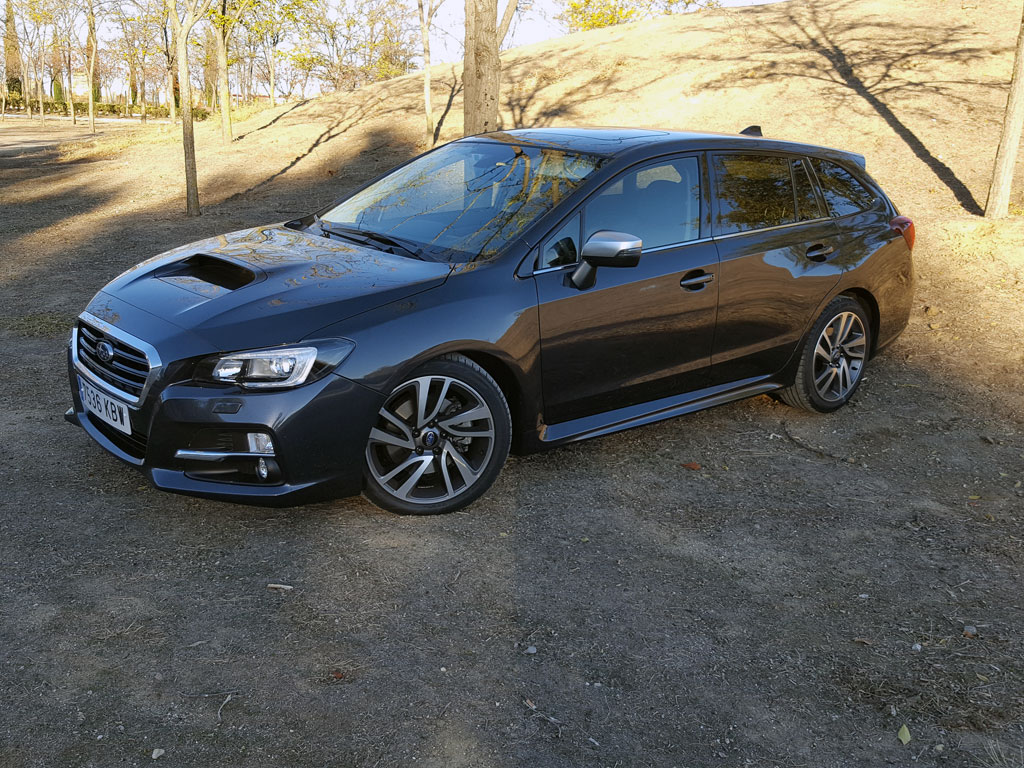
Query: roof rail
752, 130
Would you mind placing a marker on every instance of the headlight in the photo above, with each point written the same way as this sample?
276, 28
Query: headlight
276, 368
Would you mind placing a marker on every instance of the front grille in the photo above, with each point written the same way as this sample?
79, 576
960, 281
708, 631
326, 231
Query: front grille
134, 444
126, 371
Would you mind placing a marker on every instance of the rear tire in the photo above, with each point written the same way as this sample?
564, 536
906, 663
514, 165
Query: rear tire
832, 359
440, 439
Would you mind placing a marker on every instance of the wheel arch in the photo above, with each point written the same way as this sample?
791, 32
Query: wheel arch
514, 382
508, 381
863, 297
867, 300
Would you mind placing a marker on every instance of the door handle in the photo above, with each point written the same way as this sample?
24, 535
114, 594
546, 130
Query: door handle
820, 252
696, 280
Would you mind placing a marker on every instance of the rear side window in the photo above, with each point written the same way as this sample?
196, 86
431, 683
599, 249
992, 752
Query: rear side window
843, 193
754, 192
807, 206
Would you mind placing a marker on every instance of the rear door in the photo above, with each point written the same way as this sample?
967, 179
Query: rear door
638, 333
777, 247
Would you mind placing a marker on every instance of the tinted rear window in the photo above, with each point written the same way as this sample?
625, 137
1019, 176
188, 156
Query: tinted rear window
843, 193
754, 192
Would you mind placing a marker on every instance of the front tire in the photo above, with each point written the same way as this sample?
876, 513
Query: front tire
440, 439
833, 358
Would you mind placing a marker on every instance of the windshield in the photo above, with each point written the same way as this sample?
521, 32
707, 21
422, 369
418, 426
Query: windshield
466, 200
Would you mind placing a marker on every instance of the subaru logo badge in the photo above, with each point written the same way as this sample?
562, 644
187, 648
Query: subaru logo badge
105, 351
430, 439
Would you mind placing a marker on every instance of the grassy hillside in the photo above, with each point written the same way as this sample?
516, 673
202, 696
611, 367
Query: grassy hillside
920, 94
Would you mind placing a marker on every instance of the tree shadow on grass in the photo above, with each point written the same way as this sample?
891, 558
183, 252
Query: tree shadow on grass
871, 61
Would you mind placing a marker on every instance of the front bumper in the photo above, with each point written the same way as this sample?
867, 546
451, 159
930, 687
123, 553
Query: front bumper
186, 438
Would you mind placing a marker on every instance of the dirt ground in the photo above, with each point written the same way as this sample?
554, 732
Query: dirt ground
792, 602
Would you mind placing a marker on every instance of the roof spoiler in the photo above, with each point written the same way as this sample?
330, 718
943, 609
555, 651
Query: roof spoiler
751, 130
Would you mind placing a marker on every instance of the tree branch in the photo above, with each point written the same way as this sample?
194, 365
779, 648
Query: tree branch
506, 20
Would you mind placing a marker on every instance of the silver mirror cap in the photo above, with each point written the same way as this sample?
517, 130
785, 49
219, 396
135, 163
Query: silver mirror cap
607, 244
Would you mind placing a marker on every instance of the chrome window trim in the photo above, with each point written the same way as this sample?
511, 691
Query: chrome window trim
675, 245
772, 229
152, 357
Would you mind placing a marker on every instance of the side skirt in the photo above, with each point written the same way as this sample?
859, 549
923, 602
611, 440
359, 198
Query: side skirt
655, 410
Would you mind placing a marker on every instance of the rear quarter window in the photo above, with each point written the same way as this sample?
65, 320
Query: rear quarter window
843, 192
754, 192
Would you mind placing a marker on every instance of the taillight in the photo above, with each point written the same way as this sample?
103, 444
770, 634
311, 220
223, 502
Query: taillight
905, 227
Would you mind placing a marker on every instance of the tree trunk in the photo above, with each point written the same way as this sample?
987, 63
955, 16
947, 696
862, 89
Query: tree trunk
71, 88
187, 135
42, 75
142, 100
92, 71
427, 107
272, 67
998, 204
470, 84
481, 75
171, 110
220, 34
93, 45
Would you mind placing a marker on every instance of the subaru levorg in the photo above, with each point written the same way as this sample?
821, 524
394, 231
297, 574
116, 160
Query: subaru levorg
509, 291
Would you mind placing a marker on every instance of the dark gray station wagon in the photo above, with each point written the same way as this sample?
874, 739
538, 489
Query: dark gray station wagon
514, 290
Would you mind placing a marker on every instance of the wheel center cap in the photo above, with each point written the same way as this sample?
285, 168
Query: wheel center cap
430, 438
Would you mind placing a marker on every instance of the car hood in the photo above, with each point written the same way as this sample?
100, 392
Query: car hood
269, 285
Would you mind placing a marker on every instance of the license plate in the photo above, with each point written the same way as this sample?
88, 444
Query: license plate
106, 409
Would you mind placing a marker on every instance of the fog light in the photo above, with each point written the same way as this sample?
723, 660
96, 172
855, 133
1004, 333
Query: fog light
260, 442
262, 470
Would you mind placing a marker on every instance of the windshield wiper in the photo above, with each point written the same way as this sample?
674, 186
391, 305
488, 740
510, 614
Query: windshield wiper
365, 237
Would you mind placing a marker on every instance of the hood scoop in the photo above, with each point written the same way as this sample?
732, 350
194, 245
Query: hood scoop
205, 275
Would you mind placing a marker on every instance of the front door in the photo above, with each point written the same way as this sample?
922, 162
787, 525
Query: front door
639, 333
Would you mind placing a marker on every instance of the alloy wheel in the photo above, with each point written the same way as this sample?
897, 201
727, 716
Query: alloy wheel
839, 356
433, 440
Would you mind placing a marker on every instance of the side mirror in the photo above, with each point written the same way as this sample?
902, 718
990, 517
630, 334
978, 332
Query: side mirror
606, 248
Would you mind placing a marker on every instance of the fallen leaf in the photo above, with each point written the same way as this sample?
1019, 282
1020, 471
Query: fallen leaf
862, 640
337, 675
691, 465
281, 587
903, 734
157, 753
981, 677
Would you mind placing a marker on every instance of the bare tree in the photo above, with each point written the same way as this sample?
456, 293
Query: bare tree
91, 52
481, 72
14, 77
65, 18
35, 17
998, 204
166, 43
136, 46
191, 12
225, 15
270, 24
426, 21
